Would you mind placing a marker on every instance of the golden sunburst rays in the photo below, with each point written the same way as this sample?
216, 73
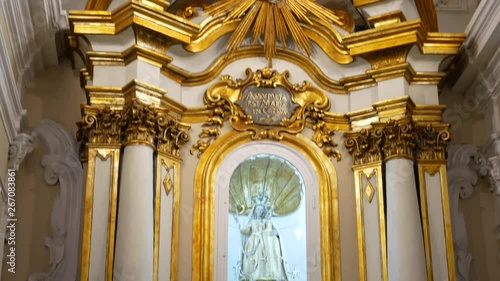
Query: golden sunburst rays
276, 19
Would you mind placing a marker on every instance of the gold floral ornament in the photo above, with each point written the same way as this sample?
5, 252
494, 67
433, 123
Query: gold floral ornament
276, 19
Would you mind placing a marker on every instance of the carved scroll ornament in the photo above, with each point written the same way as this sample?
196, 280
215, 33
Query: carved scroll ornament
268, 105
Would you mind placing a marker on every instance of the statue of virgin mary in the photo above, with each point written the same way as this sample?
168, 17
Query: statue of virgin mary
262, 253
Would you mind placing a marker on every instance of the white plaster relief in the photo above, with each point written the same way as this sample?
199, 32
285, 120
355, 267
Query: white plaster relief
62, 166
19, 148
462, 177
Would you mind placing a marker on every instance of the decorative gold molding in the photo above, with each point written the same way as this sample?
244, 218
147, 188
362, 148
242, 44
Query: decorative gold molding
98, 4
448, 234
134, 12
408, 32
171, 185
103, 152
131, 123
388, 57
436, 168
342, 86
188, 9
425, 221
387, 18
427, 11
359, 3
204, 216
291, 105
367, 171
98, 126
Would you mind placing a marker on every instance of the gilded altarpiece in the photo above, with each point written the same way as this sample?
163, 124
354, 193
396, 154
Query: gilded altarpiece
260, 200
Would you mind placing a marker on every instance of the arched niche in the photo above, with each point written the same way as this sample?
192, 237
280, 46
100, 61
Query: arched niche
211, 216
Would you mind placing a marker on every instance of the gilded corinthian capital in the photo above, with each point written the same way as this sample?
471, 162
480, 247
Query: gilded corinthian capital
99, 126
398, 139
431, 141
364, 145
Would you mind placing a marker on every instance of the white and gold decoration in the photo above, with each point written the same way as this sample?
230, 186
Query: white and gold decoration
214, 133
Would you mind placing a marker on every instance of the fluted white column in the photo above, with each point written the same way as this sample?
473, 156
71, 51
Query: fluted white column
405, 247
135, 227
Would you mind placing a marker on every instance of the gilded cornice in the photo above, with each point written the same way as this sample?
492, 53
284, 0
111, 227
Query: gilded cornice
117, 97
403, 33
396, 108
135, 12
196, 38
187, 78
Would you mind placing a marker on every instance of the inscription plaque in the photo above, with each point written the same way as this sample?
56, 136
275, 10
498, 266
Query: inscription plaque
266, 105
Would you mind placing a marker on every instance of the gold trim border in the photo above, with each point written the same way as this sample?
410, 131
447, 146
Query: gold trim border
422, 170
450, 253
361, 171
102, 152
430, 168
175, 162
203, 224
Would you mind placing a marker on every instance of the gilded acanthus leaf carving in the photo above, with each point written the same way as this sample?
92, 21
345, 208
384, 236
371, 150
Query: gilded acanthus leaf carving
136, 123
220, 109
172, 134
322, 133
398, 138
98, 126
364, 145
432, 140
